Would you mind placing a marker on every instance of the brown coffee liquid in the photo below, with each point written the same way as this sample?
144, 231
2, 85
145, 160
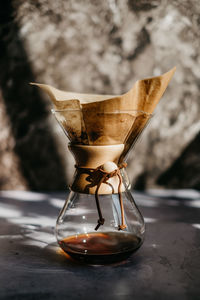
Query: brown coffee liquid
101, 248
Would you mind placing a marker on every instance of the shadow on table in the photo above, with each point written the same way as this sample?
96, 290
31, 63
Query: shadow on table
29, 254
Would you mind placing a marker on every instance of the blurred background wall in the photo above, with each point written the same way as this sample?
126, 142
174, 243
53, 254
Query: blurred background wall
98, 47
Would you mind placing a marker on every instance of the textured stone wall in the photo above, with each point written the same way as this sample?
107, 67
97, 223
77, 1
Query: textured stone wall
103, 47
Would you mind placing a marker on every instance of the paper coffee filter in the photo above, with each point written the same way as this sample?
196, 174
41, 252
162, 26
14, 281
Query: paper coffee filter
72, 123
143, 96
107, 128
108, 119
60, 98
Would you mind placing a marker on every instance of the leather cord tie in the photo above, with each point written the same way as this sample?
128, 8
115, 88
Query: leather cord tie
100, 176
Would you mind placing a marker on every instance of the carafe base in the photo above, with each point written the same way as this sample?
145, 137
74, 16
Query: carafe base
101, 248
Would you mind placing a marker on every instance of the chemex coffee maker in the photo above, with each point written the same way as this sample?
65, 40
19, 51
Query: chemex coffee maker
100, 222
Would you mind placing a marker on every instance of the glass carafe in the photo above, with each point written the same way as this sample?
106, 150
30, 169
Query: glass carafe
100, 222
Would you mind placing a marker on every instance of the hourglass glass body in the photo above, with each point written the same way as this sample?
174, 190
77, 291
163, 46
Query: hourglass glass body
100, 222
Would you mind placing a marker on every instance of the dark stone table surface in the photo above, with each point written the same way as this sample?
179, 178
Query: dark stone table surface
167, 266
